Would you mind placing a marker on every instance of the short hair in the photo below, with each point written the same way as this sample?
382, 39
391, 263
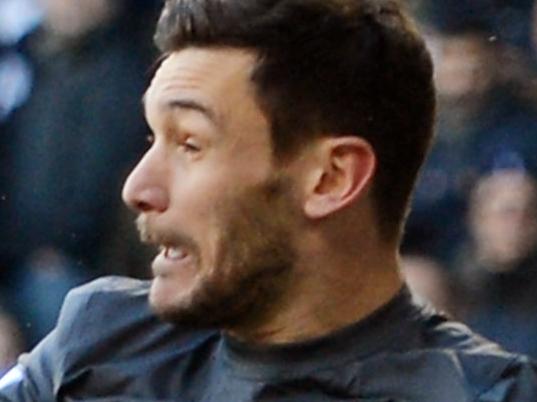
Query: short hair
328, 67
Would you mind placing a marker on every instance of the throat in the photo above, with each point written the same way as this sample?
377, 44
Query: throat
312, 311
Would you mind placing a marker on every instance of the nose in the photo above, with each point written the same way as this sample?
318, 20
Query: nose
145, 189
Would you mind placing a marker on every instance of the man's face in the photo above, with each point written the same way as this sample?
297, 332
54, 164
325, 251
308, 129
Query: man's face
75, 18
464, 67
208, 193
503, 218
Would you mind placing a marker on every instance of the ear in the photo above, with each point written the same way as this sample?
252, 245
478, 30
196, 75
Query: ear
345, 168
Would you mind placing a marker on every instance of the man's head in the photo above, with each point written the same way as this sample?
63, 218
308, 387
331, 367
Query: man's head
503, 218
271, 120
466, 67
207, 191
74, 19
327, 67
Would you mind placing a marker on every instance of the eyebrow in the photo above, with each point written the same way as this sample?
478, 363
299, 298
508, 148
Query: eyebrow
193, 105
190, 104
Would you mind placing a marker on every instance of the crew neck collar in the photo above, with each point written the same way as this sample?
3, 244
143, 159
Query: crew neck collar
383, 329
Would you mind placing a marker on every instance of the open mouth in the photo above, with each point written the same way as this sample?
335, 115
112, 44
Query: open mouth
173, 253
170, 260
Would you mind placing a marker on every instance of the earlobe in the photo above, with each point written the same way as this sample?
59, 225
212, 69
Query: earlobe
348, 165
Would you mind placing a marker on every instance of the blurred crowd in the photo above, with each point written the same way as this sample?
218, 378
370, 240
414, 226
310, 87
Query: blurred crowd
471, 243
71, 126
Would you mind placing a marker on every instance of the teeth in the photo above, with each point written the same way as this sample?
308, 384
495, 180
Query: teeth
174, 253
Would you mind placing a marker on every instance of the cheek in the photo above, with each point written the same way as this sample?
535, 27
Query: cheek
194, 193
196, 210
206, 186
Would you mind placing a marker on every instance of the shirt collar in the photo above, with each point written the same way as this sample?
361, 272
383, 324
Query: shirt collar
388, 328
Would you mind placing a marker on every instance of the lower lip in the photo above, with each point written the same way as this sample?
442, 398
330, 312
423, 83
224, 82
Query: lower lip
163, 266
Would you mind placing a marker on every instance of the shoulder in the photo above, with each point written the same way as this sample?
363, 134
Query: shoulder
112, 316
485, 369
108, 299
433, 358
116, 289
112, 286
119, 343
110, 320
107, 340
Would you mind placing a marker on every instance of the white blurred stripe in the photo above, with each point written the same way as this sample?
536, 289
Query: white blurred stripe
15, 83
17, 17
13, 376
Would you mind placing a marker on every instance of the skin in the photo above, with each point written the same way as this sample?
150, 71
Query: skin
428, 280
10, 343
71, 19
465, 66
503, 220
303, 235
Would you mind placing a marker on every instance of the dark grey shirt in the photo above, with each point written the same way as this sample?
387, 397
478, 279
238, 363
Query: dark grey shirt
108, 346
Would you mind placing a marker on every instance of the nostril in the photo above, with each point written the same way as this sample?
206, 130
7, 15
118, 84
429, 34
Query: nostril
142, 206
150, 199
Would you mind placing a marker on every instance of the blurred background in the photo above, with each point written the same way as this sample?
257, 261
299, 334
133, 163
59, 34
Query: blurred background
471, 242
72, 74
71, 127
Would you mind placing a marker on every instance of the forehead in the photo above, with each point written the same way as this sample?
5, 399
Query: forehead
205, 74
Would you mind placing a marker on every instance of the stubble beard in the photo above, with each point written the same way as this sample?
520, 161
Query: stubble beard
253, 266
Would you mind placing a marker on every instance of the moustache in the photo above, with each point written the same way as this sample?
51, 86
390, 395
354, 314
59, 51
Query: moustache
151, 234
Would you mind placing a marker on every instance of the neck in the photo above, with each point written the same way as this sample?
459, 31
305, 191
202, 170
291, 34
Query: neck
329, 291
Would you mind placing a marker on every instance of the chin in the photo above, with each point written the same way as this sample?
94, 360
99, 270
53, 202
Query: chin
166, 296
206, 304
186, 307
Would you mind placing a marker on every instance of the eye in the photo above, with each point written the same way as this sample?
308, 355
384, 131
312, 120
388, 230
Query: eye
190, 146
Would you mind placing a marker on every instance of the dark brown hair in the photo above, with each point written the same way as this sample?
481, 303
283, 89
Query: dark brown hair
328, 67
